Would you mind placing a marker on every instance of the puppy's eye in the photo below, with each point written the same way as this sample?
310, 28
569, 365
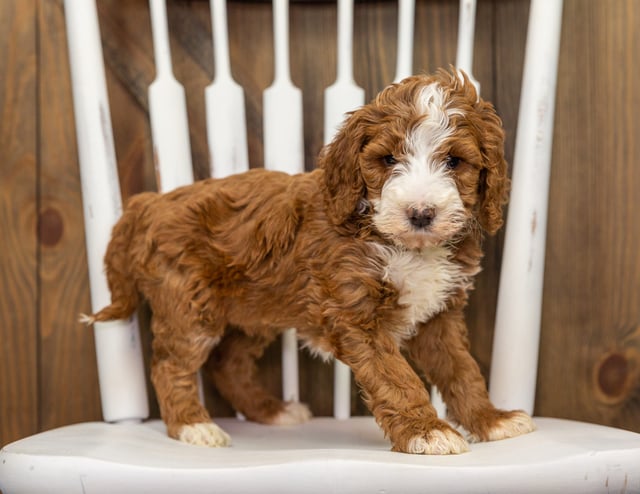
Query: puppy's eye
452, 162
389, 160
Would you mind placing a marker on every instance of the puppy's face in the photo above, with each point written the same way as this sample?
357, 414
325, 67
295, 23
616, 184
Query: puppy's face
412, 172
428, 161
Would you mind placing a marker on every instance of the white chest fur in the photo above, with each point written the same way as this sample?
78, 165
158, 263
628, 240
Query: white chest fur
424, 279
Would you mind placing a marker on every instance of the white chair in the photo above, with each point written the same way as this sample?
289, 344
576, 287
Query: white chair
125, 454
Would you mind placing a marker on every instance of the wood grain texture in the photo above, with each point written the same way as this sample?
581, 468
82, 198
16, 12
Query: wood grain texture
590, 352
18, 220
68, 374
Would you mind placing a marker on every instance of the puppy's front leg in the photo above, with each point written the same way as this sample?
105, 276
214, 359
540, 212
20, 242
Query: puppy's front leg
397, 397
441, 349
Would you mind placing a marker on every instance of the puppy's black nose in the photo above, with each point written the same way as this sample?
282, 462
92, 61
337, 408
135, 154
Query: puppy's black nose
421, 218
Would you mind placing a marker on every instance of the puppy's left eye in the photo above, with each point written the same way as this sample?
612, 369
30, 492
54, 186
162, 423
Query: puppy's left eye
452, 162
389, 160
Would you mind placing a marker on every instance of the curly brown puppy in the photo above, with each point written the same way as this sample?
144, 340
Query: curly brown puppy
372, 253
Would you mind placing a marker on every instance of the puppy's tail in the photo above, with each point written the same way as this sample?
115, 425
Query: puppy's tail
118, 264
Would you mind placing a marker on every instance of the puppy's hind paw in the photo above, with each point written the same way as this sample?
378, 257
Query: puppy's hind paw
294, 413
204, 434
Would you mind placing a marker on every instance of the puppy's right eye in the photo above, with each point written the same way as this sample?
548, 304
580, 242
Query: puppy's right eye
389, 160
452, 162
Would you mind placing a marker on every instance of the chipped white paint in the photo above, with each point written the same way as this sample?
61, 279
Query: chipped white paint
118, 351
517, 334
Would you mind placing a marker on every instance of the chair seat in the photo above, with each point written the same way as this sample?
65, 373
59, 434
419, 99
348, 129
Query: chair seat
324, 455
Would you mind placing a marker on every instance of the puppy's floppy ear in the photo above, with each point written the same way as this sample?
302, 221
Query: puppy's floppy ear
340, 160
494, 182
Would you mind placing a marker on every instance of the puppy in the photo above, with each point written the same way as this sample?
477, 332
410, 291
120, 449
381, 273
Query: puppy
369, 255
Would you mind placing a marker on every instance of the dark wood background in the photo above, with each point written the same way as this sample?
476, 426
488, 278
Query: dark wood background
590, 356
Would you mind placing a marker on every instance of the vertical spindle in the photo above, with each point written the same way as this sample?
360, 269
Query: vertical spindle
519, 312
119, 354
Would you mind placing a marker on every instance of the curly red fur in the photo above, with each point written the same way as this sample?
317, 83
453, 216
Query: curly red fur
337, 253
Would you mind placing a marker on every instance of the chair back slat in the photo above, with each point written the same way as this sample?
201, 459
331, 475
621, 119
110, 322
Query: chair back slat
466, 33
290, 374
464, 61
406, 22
167, 111
119, 355
284, 151
225, 105
341, 97
517, 332
282, 104
344, 94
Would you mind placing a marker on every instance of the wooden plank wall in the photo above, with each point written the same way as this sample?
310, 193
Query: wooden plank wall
590, 356
19, 407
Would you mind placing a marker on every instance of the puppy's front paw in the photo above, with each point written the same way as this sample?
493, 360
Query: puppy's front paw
509, 424
204, 434
294, 413
439, 440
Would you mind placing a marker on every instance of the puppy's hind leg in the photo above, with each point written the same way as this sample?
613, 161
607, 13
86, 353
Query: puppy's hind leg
232, 366
177, 357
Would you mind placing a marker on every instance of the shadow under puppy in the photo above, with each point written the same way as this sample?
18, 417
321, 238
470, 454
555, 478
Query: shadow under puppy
368, 255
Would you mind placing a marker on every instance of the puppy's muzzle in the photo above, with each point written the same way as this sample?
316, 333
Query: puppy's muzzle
421, 218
